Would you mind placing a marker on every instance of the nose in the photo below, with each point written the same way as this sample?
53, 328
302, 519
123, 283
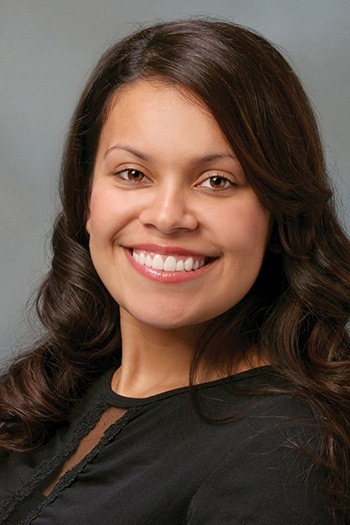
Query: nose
169, 212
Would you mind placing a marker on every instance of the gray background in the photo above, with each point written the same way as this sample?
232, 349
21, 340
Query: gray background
47, 48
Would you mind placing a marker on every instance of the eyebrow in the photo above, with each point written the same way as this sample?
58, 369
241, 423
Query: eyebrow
129, 150
199, 160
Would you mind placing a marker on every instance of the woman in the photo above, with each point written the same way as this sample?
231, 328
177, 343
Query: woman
195, 363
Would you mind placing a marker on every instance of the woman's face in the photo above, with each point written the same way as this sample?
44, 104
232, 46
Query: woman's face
176, 234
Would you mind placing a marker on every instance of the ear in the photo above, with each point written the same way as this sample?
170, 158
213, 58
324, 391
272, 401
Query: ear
88, 222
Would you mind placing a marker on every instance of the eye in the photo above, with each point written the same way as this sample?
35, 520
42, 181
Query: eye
217, 182
131, 175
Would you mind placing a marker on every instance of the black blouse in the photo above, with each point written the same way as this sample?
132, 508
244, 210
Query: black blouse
156, 461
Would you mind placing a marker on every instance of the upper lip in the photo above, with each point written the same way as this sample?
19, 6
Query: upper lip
168, 250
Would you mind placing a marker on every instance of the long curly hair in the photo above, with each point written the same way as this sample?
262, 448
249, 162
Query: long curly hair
298, 309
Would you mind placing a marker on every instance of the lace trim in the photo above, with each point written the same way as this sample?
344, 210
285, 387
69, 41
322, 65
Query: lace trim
70, 476
86, 445
46, 468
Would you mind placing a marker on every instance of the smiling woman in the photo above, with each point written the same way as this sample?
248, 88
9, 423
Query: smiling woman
172, 207
194, 366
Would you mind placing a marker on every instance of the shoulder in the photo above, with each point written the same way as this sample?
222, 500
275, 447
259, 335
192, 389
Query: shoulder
263, 417
260, 394
267, 474
258, 485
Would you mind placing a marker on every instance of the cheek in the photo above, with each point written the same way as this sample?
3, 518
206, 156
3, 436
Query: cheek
97, 211
106, 211
247, 228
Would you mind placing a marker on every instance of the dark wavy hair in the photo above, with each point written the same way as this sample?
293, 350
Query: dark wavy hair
298, 309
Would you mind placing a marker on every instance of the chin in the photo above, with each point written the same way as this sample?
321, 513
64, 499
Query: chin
166, 323
163, 318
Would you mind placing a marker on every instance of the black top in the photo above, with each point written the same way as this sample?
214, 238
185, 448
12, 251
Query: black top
156, 461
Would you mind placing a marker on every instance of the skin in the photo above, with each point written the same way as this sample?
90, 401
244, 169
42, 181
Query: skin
166, 177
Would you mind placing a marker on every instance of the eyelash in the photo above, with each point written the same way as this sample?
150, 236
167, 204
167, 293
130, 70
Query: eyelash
125, 173
228, 183
128, 171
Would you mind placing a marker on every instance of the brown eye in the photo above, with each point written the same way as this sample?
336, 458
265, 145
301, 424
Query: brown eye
216, 182
132, 175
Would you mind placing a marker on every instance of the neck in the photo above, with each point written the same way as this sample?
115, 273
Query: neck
155, 360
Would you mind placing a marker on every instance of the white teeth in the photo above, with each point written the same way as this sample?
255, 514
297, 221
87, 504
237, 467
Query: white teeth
189, 264
180, 266
167, 263
148, 261
157, 263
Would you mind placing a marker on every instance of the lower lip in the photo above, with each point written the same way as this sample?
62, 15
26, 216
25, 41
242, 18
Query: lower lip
167, 277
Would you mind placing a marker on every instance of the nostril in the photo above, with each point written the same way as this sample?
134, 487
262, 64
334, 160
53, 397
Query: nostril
169, 222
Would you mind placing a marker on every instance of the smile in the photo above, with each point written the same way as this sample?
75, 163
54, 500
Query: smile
168, 263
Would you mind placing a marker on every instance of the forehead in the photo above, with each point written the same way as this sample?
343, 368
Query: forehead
156, 89
158, 113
